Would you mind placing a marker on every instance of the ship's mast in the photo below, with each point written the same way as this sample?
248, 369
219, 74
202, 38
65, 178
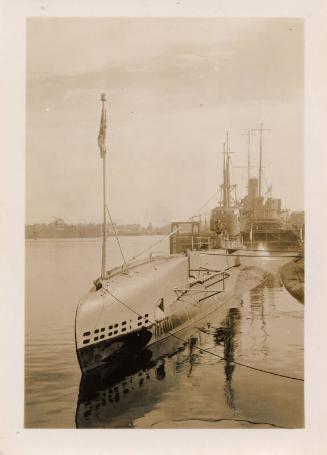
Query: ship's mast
226, 186
260, 161
223, 186
227, 169
248, 134
103, 152
261, 129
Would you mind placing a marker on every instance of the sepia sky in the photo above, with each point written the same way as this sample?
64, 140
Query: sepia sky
174, 86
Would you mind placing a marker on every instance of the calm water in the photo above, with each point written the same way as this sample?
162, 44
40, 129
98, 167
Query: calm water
186, 387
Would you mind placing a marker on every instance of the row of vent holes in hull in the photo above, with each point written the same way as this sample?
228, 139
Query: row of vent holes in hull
86, 334
110, 333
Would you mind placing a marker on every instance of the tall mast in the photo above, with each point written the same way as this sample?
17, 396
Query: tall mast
249, 147
261, 129
260, 161
224, 185
248, 134
227, 183
103, 152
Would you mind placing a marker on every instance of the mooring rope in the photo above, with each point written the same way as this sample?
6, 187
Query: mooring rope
206, 350
171, 233
151, 246
216, 254
204, 205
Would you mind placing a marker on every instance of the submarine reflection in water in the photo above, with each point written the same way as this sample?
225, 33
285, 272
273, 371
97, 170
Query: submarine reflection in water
117, 395
226, 335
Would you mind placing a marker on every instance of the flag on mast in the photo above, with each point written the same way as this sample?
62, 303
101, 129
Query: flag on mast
103, 128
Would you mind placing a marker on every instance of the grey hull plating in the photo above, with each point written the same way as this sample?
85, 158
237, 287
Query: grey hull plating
158, 299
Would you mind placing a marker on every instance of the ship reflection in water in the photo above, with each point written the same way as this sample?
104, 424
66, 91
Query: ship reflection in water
196, 383
226, 335
128, 388
134, 382
179, 384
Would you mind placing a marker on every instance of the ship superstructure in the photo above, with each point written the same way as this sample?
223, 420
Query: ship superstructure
263, 221
224, 228
224, 219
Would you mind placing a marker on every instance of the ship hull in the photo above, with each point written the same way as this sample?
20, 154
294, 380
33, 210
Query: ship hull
277, 239
158, 299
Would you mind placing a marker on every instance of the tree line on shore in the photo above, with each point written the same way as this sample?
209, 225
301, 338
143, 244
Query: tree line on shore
60, 229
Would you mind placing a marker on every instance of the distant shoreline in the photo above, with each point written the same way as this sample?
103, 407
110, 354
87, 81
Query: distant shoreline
136, 234
59, 229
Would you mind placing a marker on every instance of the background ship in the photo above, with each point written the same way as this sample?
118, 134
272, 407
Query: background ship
257, 221
224, 227
263, 222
